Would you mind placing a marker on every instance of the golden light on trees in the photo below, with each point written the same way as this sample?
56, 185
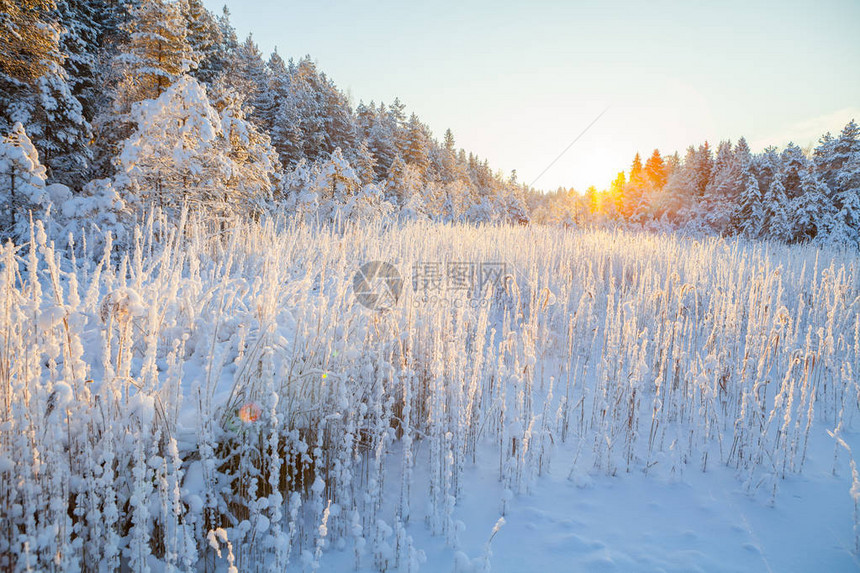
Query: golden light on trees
28, 40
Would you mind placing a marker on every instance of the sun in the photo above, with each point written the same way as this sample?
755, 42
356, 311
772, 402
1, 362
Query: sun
595, 167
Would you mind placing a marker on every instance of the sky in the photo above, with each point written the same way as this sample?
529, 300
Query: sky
516, 82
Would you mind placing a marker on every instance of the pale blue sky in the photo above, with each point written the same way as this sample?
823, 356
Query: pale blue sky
517, 81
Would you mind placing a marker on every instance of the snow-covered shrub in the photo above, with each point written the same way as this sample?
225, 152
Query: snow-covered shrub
98, 208
336, 179
299, 189
330, 192
369, 203
182, 150
514, 209
413, 209
22, 183
484, 211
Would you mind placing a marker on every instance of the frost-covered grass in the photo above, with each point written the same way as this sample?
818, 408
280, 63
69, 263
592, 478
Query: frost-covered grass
216, 397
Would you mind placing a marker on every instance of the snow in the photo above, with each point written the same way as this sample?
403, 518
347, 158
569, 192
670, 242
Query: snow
634, 522
629, 402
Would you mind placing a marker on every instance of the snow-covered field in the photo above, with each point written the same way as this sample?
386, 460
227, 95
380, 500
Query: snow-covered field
206, 398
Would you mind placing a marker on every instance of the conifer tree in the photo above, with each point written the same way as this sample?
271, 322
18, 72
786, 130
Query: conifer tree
157, 51
40, 98
847, 218
152, 55
776, 220
811, 208
417, 145
700, 168
449, 142
749, 217
29, 39
204, 39
833, 153
792, 164
249, 76
382, 139
655, 170
58, 128
182, 149
83, 24
365, 163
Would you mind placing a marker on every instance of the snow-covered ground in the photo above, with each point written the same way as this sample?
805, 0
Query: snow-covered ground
209, 397
633, 522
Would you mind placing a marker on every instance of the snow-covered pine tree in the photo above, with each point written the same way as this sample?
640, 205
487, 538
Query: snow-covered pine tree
777, 220
721, 171
720, 190
847, 219
436, 159
635, 169
832, 160
229, 40
29, 39
325, 121
381, 135
157, 52
812, 207
749, 217
54, 120
38, 94
204, 38
833, 153
215, 62
793, 163
249, 76
417, 145
449, 143
700, 166
58, 128
286, 132
403, 182
338, 179
656, 173
365, 163
514, 206
83, 25
255, 165
678, 199
634, 190
450, 169
766, 165
821, 153
396, 117
340, 126
153, 53
364, 118
742, 153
